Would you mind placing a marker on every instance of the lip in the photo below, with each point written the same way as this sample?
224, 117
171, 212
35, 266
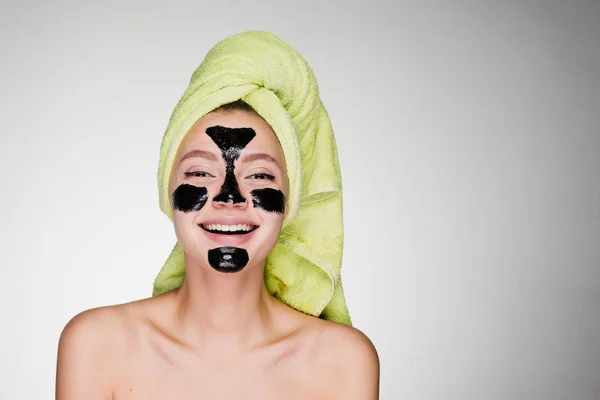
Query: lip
227, 239
228, 220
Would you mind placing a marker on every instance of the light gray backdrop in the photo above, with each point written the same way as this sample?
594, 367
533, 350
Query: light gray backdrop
469, 142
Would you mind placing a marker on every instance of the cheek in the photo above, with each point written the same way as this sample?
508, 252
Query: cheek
189, 198
270, 203
269, 200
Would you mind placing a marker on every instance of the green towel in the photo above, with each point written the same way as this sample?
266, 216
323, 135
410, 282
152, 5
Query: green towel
303, 269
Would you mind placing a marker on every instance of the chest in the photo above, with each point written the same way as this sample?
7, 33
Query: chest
230, 388
290, 376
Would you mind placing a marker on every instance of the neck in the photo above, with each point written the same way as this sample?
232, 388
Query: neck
225, 313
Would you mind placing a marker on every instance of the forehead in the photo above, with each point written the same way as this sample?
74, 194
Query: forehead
264, 140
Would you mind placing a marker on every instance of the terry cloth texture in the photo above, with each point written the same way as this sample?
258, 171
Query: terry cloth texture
303, 269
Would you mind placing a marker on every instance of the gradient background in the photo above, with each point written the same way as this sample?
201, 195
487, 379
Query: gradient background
469, 137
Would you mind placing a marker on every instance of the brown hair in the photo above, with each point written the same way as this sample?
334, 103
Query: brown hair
238, 105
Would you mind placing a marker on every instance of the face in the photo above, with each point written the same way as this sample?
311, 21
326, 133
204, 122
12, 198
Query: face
228, 190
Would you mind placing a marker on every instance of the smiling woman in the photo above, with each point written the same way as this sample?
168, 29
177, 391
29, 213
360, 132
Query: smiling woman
207, 164
250, 304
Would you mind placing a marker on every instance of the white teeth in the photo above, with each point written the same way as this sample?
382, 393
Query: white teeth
228, 228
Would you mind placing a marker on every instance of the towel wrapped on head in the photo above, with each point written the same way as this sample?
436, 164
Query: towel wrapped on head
303, 269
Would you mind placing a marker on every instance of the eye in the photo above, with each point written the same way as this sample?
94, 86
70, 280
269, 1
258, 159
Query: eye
262, 175
197, 174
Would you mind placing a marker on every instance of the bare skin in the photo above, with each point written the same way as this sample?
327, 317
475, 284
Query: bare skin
139, 351
221, 335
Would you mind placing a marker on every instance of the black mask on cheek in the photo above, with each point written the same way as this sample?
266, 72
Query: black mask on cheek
231, 141
189, 198
228, 259
270, 200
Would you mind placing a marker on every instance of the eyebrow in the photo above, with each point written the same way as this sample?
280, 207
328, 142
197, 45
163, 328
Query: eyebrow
259, 156
200, 153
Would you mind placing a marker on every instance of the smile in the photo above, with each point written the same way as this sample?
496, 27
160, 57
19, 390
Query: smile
239, 229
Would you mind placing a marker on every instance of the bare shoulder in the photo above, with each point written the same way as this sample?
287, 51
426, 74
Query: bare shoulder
91, 347
84, 353
345, 343
108, 327
85, 325
349, 360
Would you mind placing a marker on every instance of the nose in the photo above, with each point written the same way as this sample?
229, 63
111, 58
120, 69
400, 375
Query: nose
230, 199
230, 193
230, 202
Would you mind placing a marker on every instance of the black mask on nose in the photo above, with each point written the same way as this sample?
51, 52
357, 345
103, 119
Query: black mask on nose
231, 142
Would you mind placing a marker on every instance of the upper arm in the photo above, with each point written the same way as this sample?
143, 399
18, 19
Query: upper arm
358, 367
83, 358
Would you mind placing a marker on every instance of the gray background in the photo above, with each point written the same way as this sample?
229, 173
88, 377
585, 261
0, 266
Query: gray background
469, 143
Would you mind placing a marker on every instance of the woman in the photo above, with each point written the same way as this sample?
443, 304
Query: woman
235, 305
